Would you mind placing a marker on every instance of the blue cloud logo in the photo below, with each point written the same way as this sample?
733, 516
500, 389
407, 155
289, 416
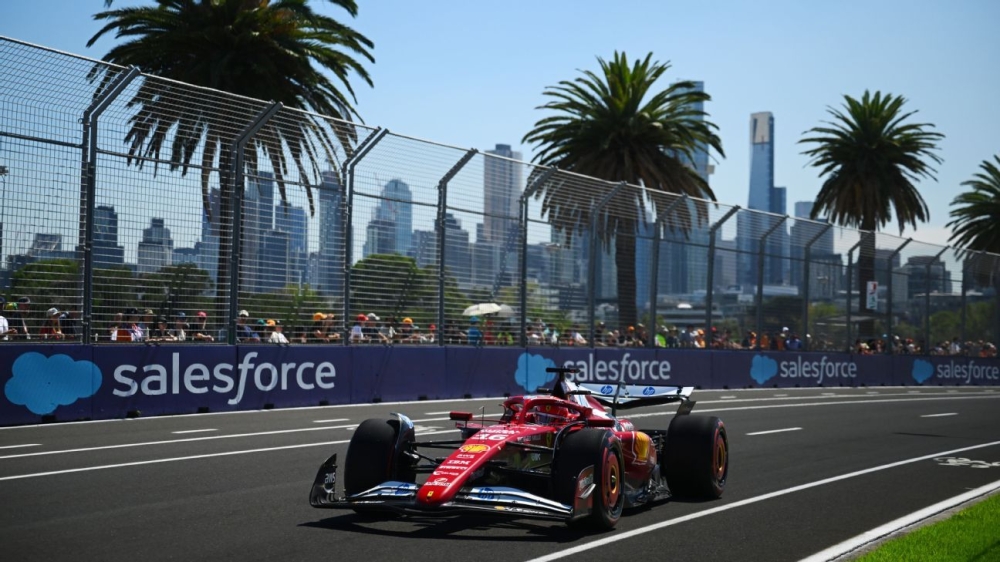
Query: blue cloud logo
42, 383
763, 368
531, 373
922, 370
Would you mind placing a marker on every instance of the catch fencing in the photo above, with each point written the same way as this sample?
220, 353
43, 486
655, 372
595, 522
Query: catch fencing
127, 199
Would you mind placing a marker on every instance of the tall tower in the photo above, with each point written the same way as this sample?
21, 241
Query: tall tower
764, 196
501, 192
391, 230
330, 261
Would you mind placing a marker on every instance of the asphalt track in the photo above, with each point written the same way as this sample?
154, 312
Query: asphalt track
810, 468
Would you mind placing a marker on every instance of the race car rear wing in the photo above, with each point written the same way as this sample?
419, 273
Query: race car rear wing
627, 396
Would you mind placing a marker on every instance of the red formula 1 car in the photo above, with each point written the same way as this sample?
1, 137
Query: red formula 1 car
563, 455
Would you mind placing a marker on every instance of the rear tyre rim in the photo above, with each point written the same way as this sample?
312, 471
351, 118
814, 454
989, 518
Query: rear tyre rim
612, 482
720, 458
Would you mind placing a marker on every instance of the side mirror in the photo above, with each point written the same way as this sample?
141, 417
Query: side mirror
460, 416
601, 422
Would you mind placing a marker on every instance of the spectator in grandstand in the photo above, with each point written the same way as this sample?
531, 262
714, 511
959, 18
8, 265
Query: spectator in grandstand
118, 331
277, 332
70, 323
317, 331
330, 327
21, 318
160, 331
473, 334
387, 330
358, 330
407, 333
431, 335
244, 333
793, 343
687, 336
369, 329
51, 330
179, 331
5, 329
200, 329
576, 336
148, 321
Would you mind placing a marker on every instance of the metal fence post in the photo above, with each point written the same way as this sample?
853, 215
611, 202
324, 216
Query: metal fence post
710, 278
806, 281
888, 306
760, 277
927, 298
592, 257
88, 191
654, 273
443, 234
850, 285
236, 151
529, 192
964, 302
347, 172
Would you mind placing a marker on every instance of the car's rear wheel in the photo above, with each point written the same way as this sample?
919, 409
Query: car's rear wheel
696, 460
374, 456
602, 450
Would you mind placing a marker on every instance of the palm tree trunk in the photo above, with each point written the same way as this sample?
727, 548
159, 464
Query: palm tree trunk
866, 273
625, 265
225, 222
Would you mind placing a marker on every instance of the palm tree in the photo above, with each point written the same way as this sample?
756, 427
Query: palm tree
976, 216
614, 126
261, 49
976, 224
273, 50
869, 155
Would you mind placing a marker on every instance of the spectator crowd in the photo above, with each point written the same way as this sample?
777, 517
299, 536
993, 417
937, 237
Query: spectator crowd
19, 323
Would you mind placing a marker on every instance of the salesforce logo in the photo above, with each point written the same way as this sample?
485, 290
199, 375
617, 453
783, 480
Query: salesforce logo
531, 374
922, 371
42, 383
960, 371
764, 368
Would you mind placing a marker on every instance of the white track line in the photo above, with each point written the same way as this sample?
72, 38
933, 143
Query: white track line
332, 421
192, 457
193, 431
852, 544
780, 395
171, 441
20, 446
437, 413
697, 515
939, 415
775, 431
728, 397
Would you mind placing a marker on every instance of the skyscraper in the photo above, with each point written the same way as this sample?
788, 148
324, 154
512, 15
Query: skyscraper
391, 230
107, 252
801, 233
330, 260
292, 221
156, 248
501, 193
764, 196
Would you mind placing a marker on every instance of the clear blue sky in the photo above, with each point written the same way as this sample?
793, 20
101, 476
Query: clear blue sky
470, 73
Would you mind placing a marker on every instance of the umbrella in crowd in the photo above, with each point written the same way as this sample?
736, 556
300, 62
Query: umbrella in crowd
482, 309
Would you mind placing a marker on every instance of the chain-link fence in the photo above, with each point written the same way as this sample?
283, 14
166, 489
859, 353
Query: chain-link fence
135, 208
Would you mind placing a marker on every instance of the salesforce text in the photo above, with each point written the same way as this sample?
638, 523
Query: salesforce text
821, 369
196, 377
617, 370
967, 371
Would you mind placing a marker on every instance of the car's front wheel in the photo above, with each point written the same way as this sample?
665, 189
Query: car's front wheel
601, 450
375, 455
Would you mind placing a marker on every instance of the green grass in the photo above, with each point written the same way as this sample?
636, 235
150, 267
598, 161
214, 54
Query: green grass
972, 534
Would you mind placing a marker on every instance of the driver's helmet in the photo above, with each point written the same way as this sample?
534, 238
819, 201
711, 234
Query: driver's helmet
548, 414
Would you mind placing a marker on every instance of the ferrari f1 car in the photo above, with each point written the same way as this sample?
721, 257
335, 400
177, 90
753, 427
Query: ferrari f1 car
562, 455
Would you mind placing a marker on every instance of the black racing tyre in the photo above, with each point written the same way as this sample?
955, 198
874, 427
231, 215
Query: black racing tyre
372, 457
602, 450
696, 462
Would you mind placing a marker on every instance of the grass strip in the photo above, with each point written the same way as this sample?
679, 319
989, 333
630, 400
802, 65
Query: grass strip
972, 534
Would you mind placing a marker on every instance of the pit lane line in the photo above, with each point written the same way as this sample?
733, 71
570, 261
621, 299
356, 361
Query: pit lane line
969, 396
756, 499
850, 545
195, 457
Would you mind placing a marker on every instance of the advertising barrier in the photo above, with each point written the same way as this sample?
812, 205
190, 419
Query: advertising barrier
72, 382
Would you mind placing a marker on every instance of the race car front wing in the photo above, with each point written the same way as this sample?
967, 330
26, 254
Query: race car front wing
401, 497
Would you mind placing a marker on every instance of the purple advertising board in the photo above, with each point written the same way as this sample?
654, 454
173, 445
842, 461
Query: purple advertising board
70, 382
